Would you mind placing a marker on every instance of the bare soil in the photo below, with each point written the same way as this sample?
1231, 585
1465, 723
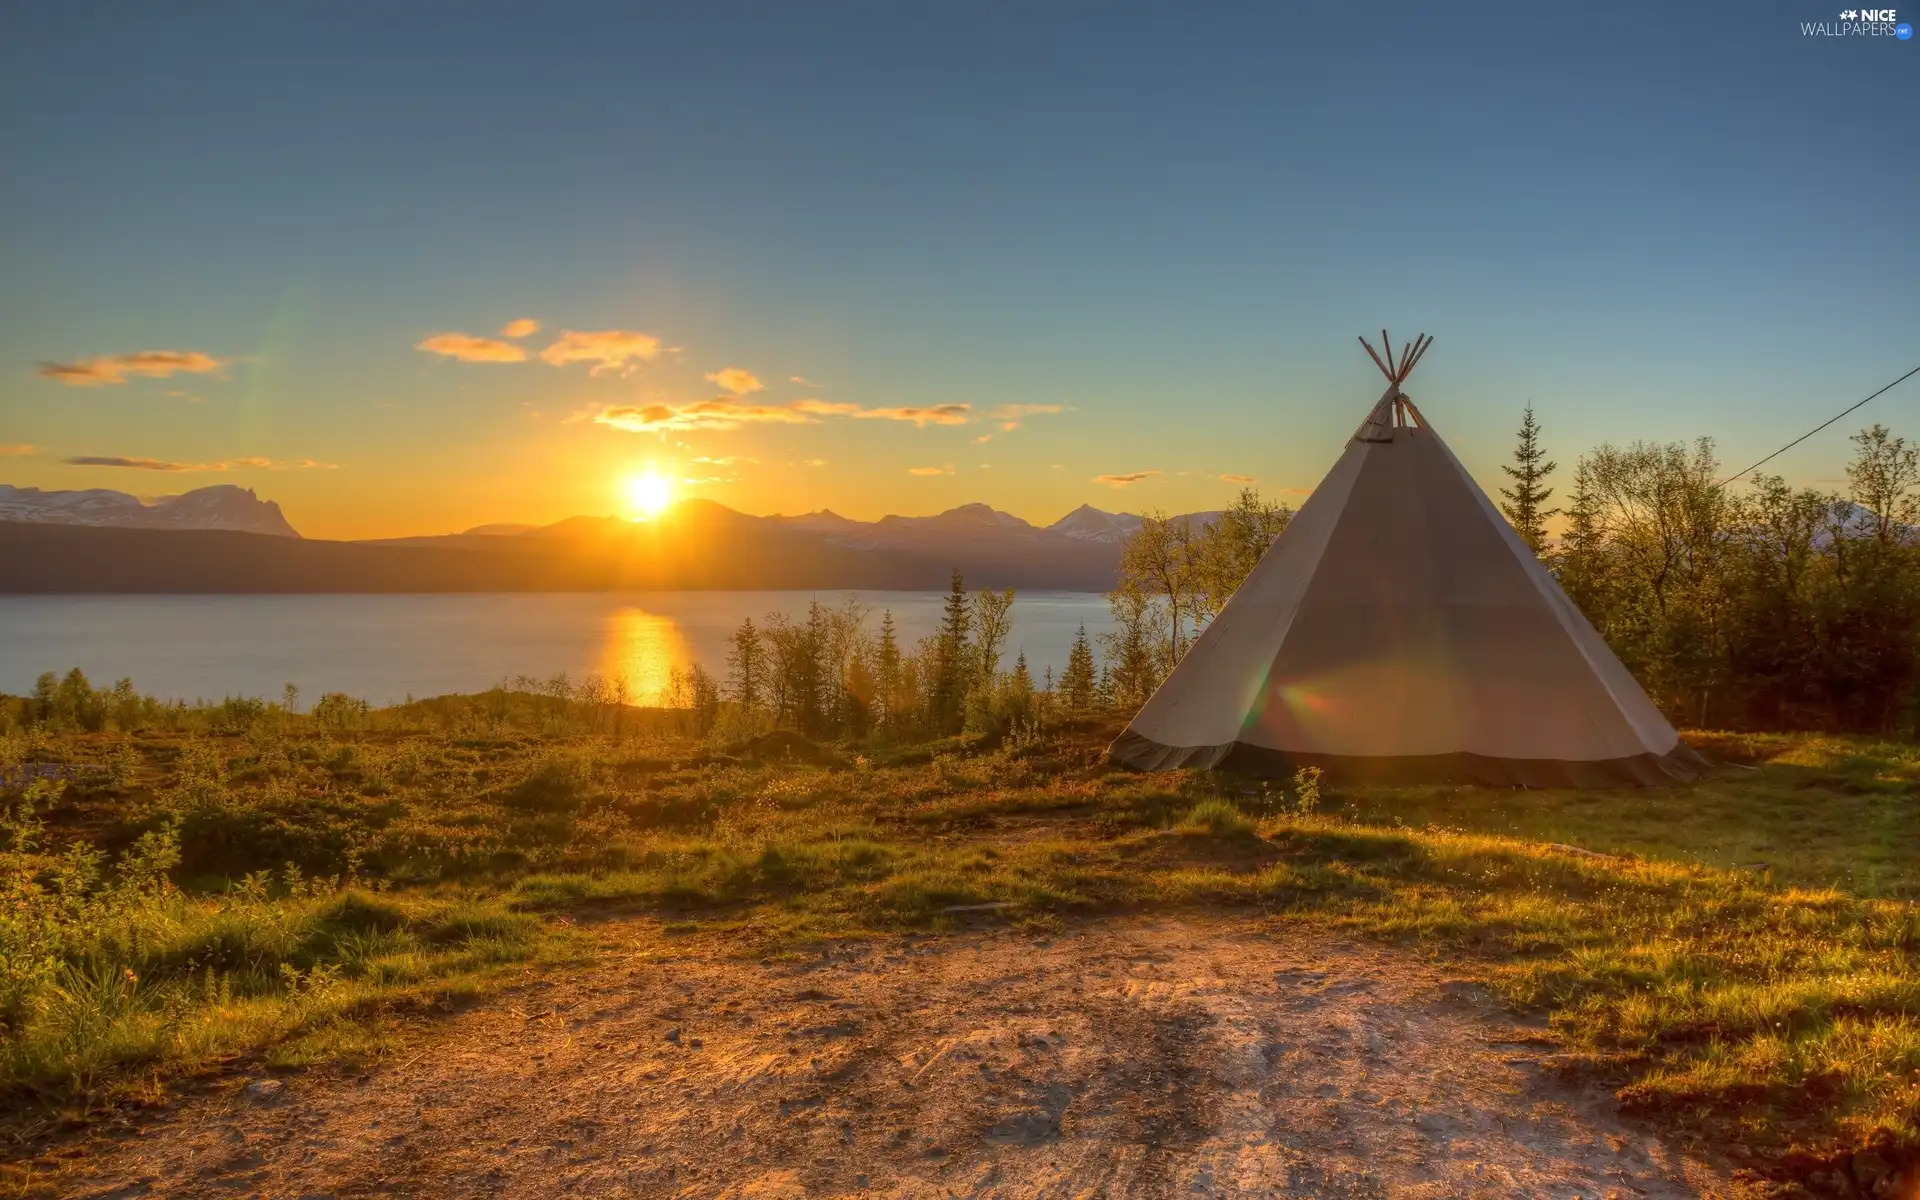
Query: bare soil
1123, 1058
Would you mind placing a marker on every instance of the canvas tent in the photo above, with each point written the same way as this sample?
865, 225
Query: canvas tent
1401, 631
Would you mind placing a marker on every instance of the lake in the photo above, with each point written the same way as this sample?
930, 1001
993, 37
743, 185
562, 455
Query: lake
385, 648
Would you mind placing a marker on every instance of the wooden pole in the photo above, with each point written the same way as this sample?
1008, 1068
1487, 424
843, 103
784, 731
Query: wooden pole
1376, 360
1420, 349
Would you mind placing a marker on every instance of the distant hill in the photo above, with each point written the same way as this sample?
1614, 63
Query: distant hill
223, 506
224, 539
702, 547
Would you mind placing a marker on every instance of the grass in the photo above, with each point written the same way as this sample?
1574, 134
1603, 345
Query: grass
1739, 956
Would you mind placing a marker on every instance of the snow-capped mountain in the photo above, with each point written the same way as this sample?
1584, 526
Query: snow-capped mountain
1089, 524
223, 506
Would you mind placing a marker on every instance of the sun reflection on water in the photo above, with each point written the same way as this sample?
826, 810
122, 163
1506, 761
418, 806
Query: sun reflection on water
642, 650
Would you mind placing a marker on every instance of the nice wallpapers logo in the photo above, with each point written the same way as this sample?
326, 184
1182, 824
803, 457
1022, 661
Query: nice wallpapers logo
1861, 22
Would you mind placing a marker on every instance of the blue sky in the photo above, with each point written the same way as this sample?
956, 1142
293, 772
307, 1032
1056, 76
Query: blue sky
1167, 223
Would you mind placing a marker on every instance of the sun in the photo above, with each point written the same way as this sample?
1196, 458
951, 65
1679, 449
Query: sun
649, 495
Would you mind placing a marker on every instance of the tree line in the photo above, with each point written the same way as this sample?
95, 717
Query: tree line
1756, 606
1752, 605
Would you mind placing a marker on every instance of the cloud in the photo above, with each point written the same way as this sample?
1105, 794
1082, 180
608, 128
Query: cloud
520, 327
727, 461
1120, 481
115, 368
1231, 478
737, 380
983, 439
802, 382
253, 462
139, 464
18, 450
1010, 415
826, 408
717, 415
468, 348
944, 470
606, 349
939, 414
814, 462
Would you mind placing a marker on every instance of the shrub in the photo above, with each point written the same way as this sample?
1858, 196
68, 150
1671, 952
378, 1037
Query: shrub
1218, 817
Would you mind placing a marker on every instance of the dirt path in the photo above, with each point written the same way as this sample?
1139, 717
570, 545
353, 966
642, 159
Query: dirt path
1121, 1059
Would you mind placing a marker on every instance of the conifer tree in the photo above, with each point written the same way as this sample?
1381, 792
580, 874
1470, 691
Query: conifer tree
886, 669
1077, 685
953, 668
746, 665
1526, 501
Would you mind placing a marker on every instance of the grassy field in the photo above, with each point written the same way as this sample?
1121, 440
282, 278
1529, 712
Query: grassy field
1740, 956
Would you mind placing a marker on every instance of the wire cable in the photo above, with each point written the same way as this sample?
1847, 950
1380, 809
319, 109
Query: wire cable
1816, 429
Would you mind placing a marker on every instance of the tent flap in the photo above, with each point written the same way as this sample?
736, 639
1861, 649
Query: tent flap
1678, 765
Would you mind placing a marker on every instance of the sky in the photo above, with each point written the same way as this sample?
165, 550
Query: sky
413, 268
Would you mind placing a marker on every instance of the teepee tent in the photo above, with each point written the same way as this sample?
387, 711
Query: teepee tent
1401, 631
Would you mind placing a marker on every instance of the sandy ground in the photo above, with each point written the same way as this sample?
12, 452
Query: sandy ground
1127, 1058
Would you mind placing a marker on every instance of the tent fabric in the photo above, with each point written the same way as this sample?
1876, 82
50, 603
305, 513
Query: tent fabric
1400, 630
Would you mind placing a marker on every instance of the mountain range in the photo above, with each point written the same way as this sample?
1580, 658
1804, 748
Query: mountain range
224, 506
225, 539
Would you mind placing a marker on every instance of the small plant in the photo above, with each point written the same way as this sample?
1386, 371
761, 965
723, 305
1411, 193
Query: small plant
20, 824
1306, 792
1219, 817
122, 763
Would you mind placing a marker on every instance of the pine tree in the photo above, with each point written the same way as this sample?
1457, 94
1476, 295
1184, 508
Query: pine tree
746, 665
1077, 684
953, 670
1525, 503
887, 682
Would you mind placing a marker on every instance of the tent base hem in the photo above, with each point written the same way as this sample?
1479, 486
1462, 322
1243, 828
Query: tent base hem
1678, 765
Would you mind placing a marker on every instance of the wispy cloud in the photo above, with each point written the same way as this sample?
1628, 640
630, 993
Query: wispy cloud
983, 439
737, 380
468, 348
947, 469
1011, 415
727, 461
826, 408
814, 462
139, 464
520, 327
939, 414
1126, 480
1231, 478
606, 349
116, 368
717, 415
18, 450
252, 462
801, 381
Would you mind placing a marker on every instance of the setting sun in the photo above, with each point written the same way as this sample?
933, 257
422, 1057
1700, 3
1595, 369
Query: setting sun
649, 495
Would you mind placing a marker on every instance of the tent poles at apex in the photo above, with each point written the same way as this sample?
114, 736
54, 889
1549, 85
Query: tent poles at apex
1409, 356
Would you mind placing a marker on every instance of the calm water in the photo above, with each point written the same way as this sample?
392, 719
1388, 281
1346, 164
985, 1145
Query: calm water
384, 648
